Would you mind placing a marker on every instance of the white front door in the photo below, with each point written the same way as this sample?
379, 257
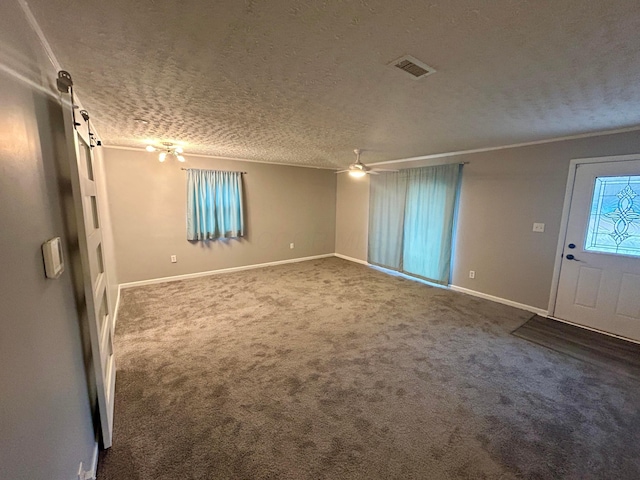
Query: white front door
599, 284
97, 311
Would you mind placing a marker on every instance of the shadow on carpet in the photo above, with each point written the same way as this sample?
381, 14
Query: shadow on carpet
596, 348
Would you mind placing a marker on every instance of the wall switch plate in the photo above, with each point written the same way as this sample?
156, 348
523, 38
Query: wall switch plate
472, 274
291, 245
538, 227
174, 259
53, 258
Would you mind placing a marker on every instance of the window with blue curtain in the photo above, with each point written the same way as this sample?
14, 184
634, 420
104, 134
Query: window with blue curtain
214, 204
411, 219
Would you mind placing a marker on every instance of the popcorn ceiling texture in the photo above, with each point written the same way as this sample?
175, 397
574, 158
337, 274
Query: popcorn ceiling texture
305, 82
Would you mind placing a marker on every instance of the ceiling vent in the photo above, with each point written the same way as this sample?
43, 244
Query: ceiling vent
413, 67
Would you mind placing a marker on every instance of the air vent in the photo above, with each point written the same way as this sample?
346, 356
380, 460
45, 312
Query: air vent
413, 67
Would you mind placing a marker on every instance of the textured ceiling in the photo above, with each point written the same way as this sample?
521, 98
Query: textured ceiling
305, 82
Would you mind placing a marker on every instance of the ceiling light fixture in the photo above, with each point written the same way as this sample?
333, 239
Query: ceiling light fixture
357, 173
359, 169
167, 149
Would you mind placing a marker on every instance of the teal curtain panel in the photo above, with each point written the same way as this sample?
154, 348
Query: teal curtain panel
428, 221
214, 205
411, 218
387, 197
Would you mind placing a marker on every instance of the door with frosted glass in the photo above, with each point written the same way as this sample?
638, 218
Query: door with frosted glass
599, 285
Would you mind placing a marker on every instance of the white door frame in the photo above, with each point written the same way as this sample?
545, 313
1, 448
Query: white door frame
562, 237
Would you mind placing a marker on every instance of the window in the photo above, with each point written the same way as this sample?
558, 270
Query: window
214, 204
614, 219
411, 218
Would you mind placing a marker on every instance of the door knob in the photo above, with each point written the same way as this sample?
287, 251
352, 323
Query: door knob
570, 257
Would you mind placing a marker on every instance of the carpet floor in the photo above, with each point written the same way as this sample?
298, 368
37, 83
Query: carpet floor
331, 370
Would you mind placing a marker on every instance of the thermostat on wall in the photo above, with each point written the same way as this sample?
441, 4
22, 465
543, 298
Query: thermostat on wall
53, 260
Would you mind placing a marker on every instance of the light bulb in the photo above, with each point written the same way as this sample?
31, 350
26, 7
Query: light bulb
357, 173
181, 158
162, 157
179, 149
150, 148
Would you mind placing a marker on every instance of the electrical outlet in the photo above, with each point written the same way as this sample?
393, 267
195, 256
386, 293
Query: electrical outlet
538, 227
472, 274
174, 259
291, 245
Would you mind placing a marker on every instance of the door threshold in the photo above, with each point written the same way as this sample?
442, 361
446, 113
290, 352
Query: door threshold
608, 334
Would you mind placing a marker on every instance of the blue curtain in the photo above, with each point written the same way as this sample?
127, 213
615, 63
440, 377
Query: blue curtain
428, 222
214, 204
387, 197
411, 215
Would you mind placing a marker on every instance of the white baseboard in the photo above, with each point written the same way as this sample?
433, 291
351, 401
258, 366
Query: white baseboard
217, 272
117, 307
94, 463
455, 288
351, 259
92, 471
504, 301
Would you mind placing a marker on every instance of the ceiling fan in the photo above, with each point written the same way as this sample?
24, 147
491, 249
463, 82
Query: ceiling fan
359, 169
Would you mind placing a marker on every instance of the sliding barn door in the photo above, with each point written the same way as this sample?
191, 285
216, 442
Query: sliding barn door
97, 312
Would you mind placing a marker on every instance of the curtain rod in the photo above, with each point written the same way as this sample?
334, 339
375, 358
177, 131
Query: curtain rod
244, 173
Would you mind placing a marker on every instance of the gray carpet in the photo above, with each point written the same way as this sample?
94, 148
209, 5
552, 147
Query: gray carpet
331, 370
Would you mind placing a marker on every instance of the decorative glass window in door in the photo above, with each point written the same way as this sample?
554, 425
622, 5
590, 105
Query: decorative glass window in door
614, 220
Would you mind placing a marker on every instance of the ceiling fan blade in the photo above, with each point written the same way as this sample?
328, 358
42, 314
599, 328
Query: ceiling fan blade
384, 170
358, 168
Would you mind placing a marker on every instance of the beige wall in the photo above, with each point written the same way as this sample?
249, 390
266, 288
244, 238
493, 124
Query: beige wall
148, 207
46, 427
352, 216
503, 193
